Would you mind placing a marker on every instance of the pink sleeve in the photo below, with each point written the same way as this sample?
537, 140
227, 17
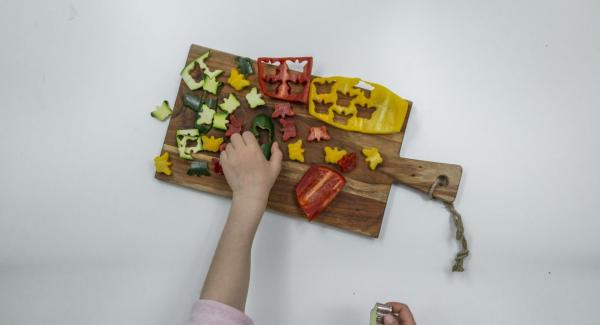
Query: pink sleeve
210, 312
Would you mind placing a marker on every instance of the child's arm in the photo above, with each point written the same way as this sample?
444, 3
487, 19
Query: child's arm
250, 177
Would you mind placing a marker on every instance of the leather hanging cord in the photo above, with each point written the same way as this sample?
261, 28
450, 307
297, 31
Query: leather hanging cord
460, 229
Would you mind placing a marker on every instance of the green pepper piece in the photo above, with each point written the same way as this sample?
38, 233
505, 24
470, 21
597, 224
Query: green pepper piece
187, 77
198, 168
182, 137
211, 102
193, 102
263, 121
244, 65
220, 121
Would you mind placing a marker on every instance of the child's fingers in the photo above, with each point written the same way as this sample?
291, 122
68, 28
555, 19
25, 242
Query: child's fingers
276, 157
389, 320
249, 138
236, 140
404, 312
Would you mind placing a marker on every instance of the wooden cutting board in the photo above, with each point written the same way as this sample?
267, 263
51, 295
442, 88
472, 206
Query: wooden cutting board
359, 207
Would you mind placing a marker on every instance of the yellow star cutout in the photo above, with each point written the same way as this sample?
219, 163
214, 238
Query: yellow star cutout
162, 164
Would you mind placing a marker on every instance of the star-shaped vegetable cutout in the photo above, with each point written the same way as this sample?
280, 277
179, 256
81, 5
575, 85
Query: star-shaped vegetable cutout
333, 155
372, 157
235, 126
205, 116
237, 80
317, 133
288, 127
282, 110
230, 103
211, 143
295, 151
162, 164
254, 98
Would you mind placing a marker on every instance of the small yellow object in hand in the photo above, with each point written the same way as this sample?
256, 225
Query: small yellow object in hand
237, 80
211, 143
332, 155
372, 157
295, 151
162, 164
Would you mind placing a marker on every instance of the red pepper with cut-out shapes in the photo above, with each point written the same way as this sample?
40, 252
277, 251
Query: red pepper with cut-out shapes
317, 188
284, 77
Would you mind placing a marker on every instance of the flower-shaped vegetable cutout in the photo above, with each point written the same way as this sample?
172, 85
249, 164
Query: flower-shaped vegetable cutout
206, 115
332, 155
162, 112
317, 133
162, 164
295, 151
235, 126
211, 84
211, 143
254, 98
282, 110
237, 80
230, 104
288, 127
348, 162
372, 157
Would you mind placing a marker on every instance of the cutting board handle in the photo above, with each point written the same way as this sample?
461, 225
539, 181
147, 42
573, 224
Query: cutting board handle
421, 175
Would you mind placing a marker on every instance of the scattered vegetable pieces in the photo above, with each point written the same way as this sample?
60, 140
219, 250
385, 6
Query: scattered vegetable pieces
333, 155
162, 111
254, 98
372, 157
182, 137
262, 121
217, 168
317, 133
285, 75
348, 162
220, 120
162, 164
295, 151
198, 168
244, 65
282, 110
235, 126
230, 104
211, 143
288, 127
317, 188
237, 80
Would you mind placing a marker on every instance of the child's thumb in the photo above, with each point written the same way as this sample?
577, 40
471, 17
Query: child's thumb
276, 156
388, 319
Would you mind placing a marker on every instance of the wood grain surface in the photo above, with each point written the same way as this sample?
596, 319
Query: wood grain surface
361, 204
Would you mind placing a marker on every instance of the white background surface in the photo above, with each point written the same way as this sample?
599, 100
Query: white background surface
508, 89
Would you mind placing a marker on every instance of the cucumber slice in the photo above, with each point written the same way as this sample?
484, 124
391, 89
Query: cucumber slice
187, 77
220, 121
162, 111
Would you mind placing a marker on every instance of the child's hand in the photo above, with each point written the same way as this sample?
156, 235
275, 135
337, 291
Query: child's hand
404, 315
248, 173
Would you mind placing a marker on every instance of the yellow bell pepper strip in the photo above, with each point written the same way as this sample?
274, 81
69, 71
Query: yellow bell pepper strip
211, 143
332, 155
372, 157
220, 121
182, 137
254, 98
198, 168
186, 73
162, 112
162, 164
348, 99
237, 80
230, 104
295, 151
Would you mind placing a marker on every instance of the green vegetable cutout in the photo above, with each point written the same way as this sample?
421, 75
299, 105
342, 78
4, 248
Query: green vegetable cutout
162, 112
183, 136
264, 122
220, 121
254, 98
198, 168
244, 65
211, 84
186, 72
230, 104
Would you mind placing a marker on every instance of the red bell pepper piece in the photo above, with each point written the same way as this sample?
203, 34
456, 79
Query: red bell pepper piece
283, 76
217, 168
288, 127
282, 110
235, 126
318, 133
348, 162
317, 188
